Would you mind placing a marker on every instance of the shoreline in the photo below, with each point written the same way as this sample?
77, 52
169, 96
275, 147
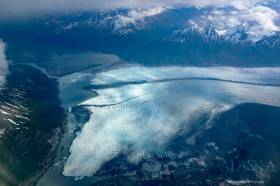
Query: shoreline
70, 127
78, 93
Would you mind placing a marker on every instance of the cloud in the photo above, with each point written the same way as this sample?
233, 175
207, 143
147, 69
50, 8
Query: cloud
136, 15
264, 16
240, 4
22, 8
3, 63
230, 20
255, 17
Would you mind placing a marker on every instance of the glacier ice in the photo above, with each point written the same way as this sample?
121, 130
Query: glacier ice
139, 110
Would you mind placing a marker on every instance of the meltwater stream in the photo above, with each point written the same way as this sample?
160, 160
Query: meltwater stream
138, 110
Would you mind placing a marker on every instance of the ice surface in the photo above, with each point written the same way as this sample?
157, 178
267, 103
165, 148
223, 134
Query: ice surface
138, 110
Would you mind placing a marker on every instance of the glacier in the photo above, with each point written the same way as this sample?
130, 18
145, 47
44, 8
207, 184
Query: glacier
139, 110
